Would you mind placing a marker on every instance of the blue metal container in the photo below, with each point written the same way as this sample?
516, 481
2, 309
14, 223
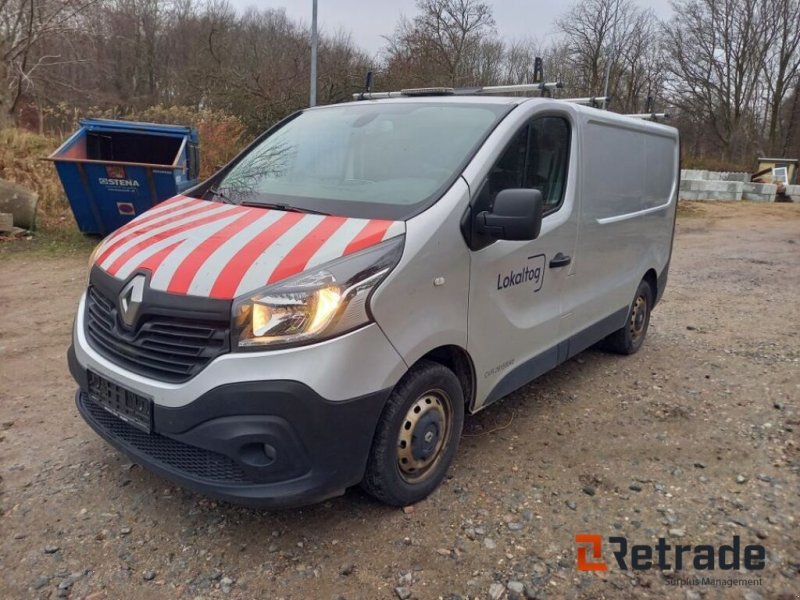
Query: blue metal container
113, 171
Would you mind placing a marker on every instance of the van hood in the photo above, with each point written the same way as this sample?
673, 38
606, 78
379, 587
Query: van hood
212, 250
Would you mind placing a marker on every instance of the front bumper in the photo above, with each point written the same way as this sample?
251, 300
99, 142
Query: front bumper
267, 444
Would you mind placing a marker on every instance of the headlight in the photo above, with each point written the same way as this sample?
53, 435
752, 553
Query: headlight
318, 304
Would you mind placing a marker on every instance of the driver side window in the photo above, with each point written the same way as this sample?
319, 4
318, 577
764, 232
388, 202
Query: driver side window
536, 158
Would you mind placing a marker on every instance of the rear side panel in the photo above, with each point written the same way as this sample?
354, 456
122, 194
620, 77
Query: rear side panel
629, 179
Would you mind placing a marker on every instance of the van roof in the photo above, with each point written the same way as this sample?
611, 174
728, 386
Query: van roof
505, 101
444, 99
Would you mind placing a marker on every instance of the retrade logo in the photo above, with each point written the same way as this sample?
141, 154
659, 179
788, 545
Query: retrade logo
595, 542
130, 300
664, 556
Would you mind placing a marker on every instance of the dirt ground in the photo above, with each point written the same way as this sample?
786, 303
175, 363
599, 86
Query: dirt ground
694, 439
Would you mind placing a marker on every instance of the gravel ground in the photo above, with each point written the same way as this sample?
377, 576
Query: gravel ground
694, 439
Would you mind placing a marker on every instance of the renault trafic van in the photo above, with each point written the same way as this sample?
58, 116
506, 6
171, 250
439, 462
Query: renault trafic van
323, 311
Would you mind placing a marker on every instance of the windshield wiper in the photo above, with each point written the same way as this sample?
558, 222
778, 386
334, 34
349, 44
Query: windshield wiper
222, 196
286, 208
274, 205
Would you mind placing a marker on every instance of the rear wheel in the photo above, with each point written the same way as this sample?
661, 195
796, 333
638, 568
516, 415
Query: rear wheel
417, 436
629, 338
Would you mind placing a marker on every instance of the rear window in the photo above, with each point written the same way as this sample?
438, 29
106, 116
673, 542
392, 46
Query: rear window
382, 160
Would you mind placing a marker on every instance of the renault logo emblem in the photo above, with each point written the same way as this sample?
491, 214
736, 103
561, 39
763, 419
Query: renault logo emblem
130, 300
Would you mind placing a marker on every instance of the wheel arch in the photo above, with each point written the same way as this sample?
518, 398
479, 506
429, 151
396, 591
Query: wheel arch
651, 277
458, 360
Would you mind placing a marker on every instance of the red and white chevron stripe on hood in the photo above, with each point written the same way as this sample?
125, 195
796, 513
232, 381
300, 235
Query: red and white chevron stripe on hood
200, 248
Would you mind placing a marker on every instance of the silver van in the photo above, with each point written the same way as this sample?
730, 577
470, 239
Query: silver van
323, 311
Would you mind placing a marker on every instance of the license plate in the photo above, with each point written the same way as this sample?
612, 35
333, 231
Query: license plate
133, 408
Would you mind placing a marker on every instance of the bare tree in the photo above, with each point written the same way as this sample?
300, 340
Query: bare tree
587, 29
444, 38
730, 69
24, 25
716, 50
518, 61
781, 66
641, 71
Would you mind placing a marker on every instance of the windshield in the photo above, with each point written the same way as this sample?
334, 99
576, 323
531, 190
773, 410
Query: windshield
383, 160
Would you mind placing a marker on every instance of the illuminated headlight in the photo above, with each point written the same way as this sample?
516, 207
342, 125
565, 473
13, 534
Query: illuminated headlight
321, 303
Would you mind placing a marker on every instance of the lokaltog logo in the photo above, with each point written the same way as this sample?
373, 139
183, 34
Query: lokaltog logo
532, 272
664, 556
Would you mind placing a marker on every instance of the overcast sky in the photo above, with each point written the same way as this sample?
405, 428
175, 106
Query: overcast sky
368, 20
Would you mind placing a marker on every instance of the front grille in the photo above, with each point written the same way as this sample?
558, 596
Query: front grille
190, 461
164, 348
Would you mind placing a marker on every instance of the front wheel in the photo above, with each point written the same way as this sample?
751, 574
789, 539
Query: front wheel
417, 436
629, 338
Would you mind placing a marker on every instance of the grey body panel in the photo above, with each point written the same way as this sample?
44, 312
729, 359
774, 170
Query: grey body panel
629, 201
416, 314
511, 325
616, 222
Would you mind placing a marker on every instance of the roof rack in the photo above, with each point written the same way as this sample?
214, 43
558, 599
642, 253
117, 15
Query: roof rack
449, 91
650, 116
538, 85
594, 101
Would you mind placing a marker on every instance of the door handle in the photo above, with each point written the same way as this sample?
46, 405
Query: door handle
560, 260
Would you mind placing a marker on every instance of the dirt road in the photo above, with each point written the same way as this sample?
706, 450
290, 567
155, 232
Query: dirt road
694, 439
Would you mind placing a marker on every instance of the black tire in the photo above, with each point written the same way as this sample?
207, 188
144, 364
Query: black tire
628, 339
428, 386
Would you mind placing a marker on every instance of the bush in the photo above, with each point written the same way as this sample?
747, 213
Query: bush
221, 135
20, 161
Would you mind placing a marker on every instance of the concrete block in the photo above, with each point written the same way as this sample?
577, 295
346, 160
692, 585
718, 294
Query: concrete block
689, 196
712, 190
760, 188
726, 187
793, 191
20, 202
693, 185
697, 185
694, 174
721, 196
725, 176
689, 184
759, 192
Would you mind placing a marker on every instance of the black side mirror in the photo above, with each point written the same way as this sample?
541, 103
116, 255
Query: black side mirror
516, 215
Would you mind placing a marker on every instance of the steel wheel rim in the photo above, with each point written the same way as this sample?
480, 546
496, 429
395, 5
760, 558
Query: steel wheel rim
424, 433
638, 318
